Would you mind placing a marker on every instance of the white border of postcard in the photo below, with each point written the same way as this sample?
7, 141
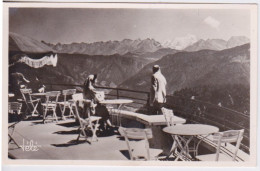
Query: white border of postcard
253, 85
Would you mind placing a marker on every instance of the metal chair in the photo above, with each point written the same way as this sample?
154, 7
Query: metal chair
14, 108
31, 103
138, 144
51, 105
91, 123
231, 136
168, 114
66, 104
169, 117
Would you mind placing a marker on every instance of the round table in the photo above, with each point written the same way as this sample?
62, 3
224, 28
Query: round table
10, 95
38, 94
120, 103
190, 130
116, 101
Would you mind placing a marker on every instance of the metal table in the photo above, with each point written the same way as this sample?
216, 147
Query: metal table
120, 103
190, 130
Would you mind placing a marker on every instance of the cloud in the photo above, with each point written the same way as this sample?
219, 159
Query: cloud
212, 22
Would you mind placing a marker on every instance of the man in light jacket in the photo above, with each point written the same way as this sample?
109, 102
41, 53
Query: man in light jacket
158, 90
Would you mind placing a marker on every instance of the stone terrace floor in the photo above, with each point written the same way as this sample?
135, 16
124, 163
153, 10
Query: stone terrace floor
58, 141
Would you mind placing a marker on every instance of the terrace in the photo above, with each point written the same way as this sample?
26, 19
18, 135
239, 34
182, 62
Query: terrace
58, 140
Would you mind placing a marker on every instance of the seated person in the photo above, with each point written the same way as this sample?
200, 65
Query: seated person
94, 107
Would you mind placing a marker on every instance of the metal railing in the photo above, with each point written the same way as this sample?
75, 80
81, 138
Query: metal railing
194, 111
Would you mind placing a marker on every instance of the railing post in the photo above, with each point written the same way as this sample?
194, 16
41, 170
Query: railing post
225, 118
117, 96
117, 93
148, 99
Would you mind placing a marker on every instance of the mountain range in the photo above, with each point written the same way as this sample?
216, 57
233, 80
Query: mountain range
217, 44
131, 66
191, 69
147, 48
22, 43
108, 48
74, 69
180, 43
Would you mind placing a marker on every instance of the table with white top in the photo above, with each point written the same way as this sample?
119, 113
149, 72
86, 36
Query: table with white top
38, 94
120, 103
10, 95
189, 130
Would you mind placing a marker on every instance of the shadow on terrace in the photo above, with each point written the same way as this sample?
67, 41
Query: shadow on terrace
188, 130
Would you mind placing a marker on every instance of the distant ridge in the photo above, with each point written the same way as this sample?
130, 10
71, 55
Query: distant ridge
191, 69
108, 48
218, 44
140, 48
25, 44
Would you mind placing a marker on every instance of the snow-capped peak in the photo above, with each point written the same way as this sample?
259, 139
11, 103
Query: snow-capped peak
180, 43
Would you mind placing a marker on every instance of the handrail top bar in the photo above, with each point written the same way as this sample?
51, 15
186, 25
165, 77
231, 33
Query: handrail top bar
101, 87
145, 92
228, 109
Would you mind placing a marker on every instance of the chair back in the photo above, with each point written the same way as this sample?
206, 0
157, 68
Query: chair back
14, 111
52, 96
14, 107
168, 114
99, 95
26, 93
68, 92
231, 136
137, 134
77, 96
76, 99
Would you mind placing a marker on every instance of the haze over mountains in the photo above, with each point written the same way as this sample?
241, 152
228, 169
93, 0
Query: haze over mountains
128, 63
180, 43
25, 44
109, 48
217, 44
138, 48
74, 69
191, 69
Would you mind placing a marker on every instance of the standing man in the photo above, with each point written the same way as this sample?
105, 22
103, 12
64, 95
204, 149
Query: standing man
158, 90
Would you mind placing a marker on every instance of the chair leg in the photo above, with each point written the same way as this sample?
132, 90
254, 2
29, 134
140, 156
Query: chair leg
54, 115
27, 108
82, 130
11, 139
79, 129
35, 108
63, 111
78, 136
44, 115
71, 111
173, 148
94, 130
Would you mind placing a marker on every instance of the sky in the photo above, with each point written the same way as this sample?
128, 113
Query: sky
69, 25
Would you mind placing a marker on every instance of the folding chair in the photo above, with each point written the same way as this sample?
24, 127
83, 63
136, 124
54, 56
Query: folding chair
169, 117
231, 136
14, 108
90, 123
168, 114
31, 104
50, 105
138, 144
66, 104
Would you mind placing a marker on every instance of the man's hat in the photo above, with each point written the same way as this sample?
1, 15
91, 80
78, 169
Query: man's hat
156, 68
